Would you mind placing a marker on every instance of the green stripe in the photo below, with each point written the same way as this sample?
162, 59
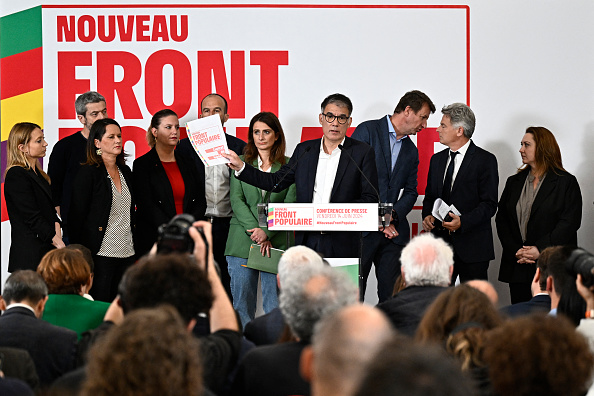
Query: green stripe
20, 32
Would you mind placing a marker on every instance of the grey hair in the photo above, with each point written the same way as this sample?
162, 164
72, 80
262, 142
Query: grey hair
296, 258
24, 285
312, 294
461, 116
80, 104
426, 261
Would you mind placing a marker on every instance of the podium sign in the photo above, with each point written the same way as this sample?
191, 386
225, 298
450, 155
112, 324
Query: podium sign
322, 217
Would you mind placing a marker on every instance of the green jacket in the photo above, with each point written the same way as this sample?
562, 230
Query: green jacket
244, 202
74, 312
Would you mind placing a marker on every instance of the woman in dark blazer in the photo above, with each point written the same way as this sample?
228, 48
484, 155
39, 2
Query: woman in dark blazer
34, 224
101, 215
165, 182
540, 206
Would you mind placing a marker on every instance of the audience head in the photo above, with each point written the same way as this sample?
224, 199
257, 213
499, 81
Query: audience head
85, 251
100, 128
65, 271
26, 287
486, 288
458, 319
427, 261
150, 353
541, 150
311, 295
415, 100
538, 355
157, 120
460, 115
214, 104
265, 126
542, 266
343, 345
295, 259
173, 279
405, 368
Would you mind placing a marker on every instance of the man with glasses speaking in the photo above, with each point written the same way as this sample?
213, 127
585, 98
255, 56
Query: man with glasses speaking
322, 173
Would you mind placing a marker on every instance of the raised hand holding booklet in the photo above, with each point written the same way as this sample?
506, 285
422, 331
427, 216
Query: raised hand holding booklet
208, 139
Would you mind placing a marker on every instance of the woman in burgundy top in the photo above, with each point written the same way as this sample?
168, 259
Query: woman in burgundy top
166, 182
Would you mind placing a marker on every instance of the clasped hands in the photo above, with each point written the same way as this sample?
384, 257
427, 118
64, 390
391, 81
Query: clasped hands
259, 236
527, 255
452, 226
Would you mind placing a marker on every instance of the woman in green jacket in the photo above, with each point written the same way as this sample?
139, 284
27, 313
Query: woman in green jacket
266, 150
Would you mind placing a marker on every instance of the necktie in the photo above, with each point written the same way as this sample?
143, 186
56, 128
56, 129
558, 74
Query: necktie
447, 183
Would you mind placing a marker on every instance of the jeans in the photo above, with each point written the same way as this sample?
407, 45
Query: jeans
244, 285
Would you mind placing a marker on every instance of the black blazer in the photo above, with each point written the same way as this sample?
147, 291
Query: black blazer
52, 348
474, 194
349, 185
555, 217
391, 181
155, 204
538, 303
91, 204
32, 217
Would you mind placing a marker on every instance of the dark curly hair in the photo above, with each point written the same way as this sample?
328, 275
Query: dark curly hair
150, 353
538, 355
174, 279
458, 319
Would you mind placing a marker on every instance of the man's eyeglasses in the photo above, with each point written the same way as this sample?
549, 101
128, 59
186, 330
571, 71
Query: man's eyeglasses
342, 119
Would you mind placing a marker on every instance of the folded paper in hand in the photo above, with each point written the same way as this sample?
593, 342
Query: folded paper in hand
441, 209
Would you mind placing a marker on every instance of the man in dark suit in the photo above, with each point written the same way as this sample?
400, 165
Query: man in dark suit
309, 295
326, 174
397, 160
541, 301
52, 348
268, 328
70, 152
427, 265
465, 176
216, 184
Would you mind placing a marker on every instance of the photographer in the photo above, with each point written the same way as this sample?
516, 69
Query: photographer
193, 287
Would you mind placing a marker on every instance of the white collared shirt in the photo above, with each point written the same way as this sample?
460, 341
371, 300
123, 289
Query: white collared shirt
326, 173
17, 305
457, 160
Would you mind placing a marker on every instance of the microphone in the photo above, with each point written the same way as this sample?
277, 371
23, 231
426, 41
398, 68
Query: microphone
382, 206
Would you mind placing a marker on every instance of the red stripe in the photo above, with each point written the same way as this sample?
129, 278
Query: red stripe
249, 6
4, 212
22, 73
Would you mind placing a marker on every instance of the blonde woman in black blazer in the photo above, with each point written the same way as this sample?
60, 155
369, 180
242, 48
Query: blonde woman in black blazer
101, 215
166, 182
554, 216
34, 224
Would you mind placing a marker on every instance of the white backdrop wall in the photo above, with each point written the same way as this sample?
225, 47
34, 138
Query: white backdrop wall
516, 63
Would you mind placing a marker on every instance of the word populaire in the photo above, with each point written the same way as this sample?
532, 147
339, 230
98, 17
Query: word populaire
107, 28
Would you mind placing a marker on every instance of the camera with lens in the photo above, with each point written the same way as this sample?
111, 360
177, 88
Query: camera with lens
174, 236
582, 262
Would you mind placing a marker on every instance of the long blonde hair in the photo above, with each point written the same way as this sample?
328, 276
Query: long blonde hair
21, 134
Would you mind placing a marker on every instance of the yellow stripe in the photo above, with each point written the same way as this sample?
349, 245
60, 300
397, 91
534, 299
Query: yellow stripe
27, 107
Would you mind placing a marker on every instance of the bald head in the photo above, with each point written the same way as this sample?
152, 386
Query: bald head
486, 288
343, 344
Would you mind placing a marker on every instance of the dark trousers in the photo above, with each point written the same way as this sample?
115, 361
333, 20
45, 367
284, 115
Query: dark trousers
220, 232
469, 271
520, 292
321, 242
385, 255
108, 273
